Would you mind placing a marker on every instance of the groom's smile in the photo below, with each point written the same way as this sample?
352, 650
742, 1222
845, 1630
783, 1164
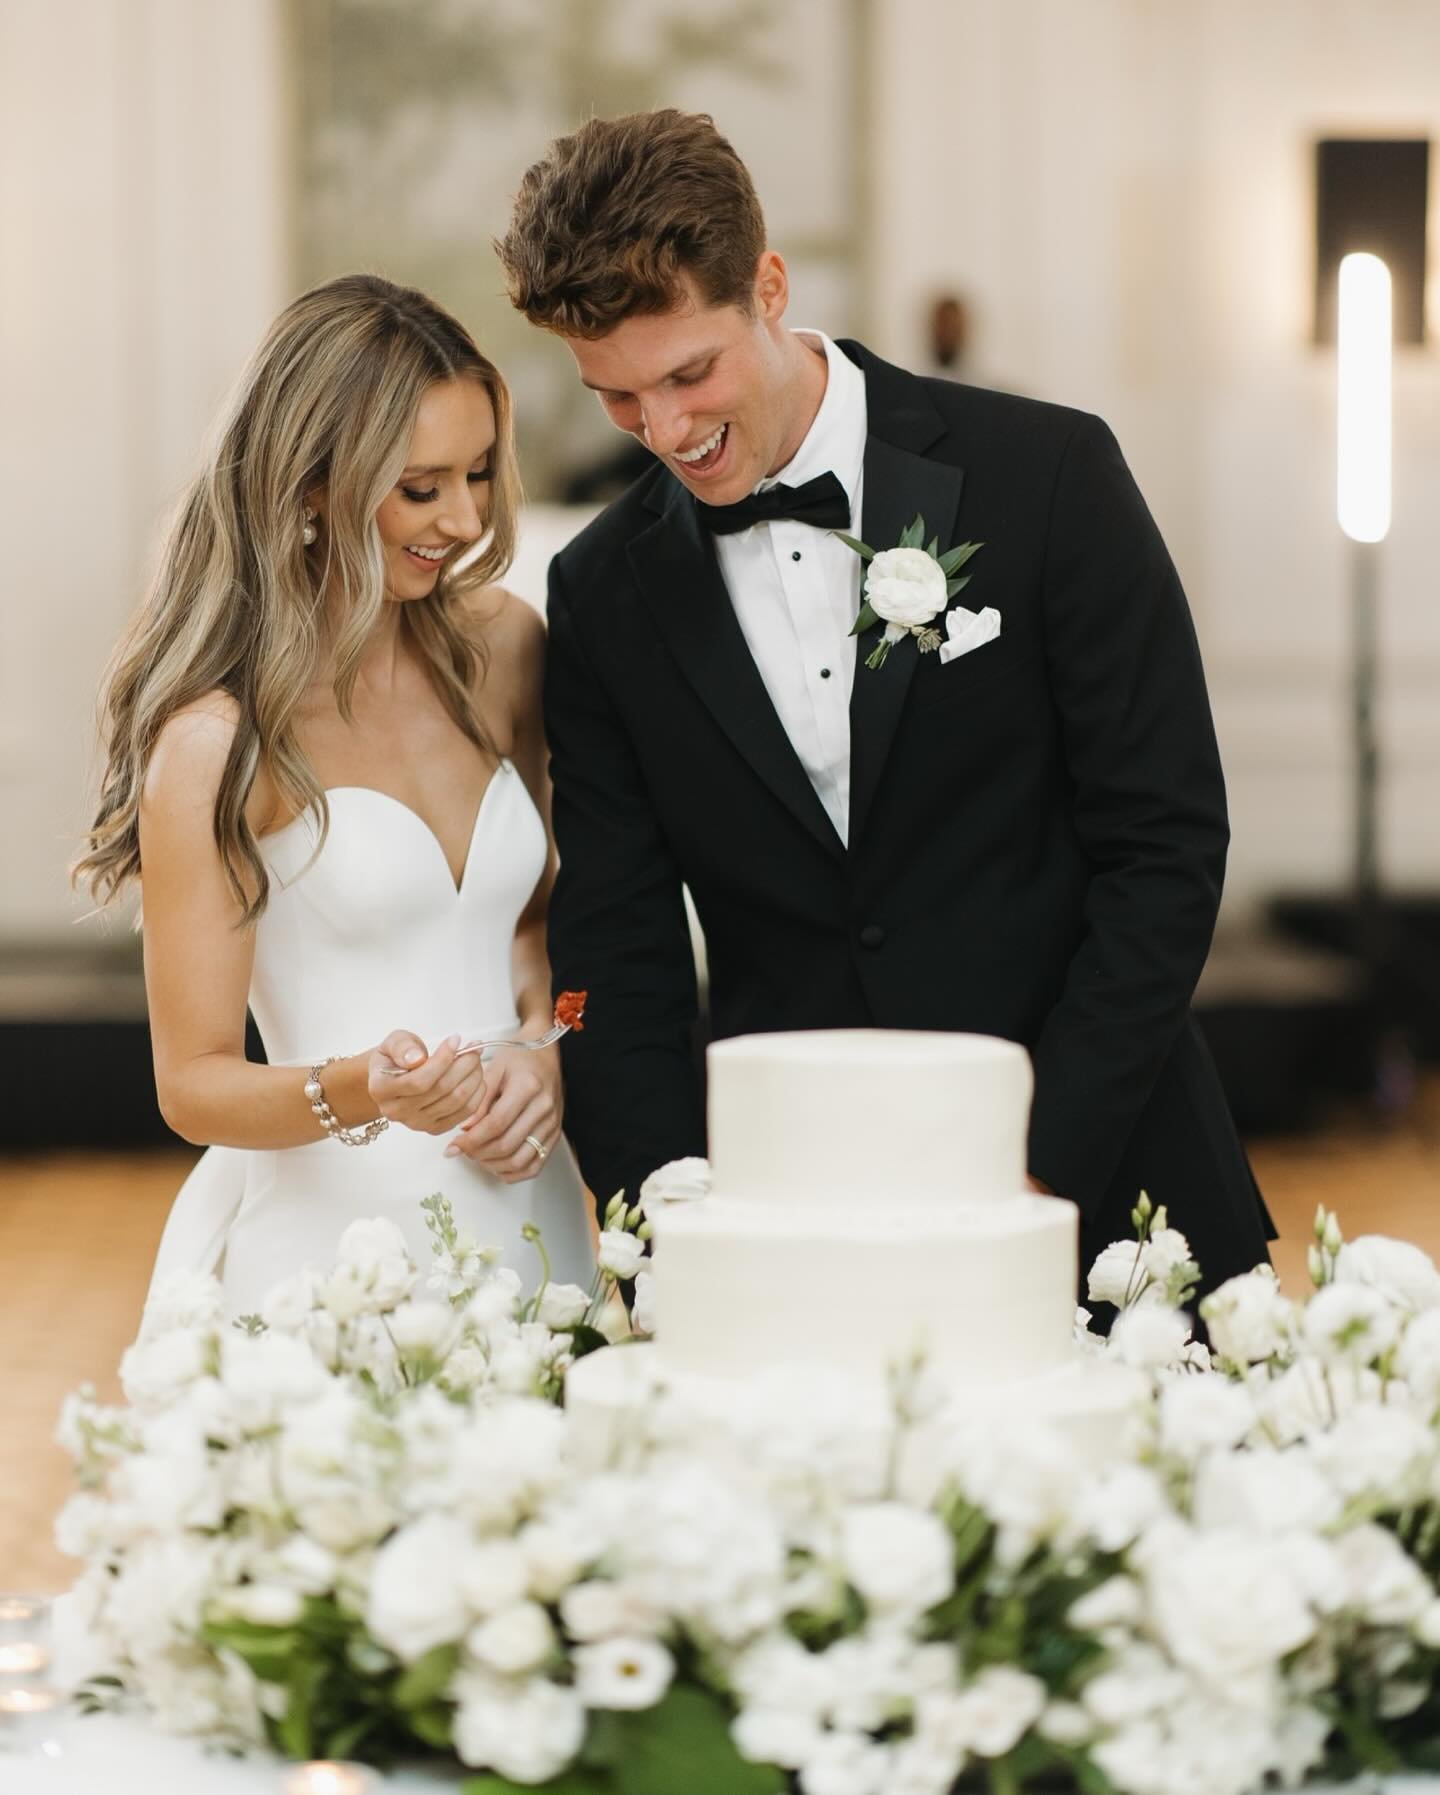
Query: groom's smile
721, 394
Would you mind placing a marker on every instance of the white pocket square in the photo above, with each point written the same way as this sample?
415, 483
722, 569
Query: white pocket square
967, 630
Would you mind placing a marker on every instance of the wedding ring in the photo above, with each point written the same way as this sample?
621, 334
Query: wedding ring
531, 1141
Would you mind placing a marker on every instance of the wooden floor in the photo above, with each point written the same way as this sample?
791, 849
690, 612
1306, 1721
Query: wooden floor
78, 1233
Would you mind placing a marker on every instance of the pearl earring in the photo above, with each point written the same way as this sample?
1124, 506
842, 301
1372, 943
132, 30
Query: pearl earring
308, 534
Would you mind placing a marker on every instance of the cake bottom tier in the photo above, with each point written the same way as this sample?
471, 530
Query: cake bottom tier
985, 1292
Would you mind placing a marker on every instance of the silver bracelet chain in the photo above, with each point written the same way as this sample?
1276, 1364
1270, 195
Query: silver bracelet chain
365, 1136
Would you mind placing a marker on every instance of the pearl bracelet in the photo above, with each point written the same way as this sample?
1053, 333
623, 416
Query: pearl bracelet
365, 1136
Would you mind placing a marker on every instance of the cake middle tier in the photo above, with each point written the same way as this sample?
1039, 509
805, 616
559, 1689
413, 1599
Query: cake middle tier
986, 1290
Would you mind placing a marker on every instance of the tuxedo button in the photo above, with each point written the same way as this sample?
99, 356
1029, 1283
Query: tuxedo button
872, 935
824, 673
795, 554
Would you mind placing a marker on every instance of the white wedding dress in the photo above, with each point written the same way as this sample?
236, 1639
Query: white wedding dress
371, 935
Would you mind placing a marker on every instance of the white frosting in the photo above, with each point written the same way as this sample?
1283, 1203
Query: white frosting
868, 1115
867, 1204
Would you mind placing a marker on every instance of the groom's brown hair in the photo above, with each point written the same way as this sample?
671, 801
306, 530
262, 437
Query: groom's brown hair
611, 217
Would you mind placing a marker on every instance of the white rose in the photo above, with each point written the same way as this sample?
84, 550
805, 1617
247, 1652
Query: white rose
563, 1305
1224, 1605
494, 1575
416, 1601
1377, 1449
1262, 1491
906, 586
268, 1372
496, 1299
526, 1731
681, 1181
1113, 1507
1248, 1318
619, 1253
1402, 1273
290, 1302
1386, 1584
1115, 1271
631, 1671
1150, 1336
1349, 1322
897, 1557
1203, 1414
371, 1244
515, 1640
1165, 1251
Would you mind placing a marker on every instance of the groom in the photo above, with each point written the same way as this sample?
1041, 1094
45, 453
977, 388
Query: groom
1020, 833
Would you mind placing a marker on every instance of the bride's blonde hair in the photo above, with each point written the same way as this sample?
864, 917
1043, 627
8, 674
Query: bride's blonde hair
328, 400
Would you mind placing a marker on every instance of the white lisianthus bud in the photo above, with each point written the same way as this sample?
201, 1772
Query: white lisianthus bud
1315, 1265
1334, 1239
906, 586
1317, 1227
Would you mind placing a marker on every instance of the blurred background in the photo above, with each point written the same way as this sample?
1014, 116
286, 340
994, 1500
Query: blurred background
1124, 205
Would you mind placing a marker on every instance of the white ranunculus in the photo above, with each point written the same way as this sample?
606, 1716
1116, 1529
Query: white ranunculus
1150, 1336
599, 1610
1118, 1269
153, 1372
424, 1329
619, 1253
897, 1557
1351, 1323
290, 1302
775, 1736
416, 1601
1248, 1318
495, 1300
183, 1299
906, 586
1386, 1584
1113, 1507
846, 1763
680, 1181
1165, 1251
1113, 1603
995, 1711
563, 1305
1402, 1273
1263, 1491
1380, 1450
514, 1641
631, 1671
528, 1731
1224, 1605
1203, 1414
494, 1575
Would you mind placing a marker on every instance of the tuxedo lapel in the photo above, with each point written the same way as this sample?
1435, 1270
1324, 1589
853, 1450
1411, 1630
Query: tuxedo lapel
679, 577
900, 482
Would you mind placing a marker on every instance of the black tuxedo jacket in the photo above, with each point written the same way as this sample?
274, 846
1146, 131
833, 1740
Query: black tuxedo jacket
1037, 830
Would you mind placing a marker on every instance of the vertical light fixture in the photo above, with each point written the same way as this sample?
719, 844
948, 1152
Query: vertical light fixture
1364, 337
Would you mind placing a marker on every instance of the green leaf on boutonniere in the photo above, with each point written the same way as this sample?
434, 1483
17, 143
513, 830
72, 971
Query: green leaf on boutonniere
865, 553
867, 619
913, 535
954, 586
954, 559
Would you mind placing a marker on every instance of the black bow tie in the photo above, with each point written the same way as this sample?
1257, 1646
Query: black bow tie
822, 502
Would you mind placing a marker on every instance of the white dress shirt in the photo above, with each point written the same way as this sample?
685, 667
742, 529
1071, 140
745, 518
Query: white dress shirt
796, 592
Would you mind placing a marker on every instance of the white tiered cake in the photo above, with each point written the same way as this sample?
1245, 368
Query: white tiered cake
867, 1203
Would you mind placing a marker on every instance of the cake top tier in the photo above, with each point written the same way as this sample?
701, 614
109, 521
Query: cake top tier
868, 1115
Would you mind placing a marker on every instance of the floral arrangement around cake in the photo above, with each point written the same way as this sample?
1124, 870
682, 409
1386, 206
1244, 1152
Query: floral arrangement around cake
358, 1525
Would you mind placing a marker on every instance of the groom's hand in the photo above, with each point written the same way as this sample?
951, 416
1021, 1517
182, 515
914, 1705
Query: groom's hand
429, 1092
522, 1098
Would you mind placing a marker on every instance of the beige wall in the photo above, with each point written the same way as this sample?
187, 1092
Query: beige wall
143, 176
1124, 187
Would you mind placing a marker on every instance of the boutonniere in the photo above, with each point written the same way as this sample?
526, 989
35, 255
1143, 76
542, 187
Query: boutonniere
907, 587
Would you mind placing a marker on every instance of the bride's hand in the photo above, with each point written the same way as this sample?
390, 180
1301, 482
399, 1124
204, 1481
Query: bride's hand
523, 1097
430, 1093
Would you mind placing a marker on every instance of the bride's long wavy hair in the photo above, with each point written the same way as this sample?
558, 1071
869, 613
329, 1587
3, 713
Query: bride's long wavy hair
241, 605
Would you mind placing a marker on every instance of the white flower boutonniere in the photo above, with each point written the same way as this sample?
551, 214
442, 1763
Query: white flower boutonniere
907, 587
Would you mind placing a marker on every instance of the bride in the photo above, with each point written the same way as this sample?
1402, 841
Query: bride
325, 769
